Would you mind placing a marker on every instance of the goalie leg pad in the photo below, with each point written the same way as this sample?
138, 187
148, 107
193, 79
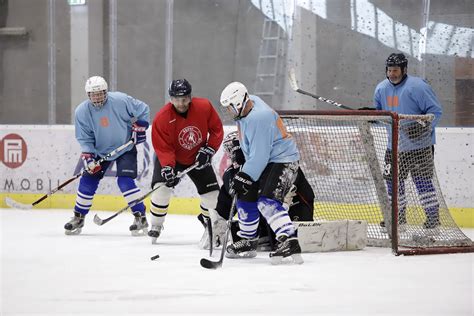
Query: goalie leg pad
85, 193
131, 193
277, 217
332, 235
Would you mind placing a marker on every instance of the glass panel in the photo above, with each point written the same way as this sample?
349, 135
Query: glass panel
337, 49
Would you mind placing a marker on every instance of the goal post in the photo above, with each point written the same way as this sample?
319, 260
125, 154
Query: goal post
377, 166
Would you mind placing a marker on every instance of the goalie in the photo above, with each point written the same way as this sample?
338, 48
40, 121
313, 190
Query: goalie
300, 200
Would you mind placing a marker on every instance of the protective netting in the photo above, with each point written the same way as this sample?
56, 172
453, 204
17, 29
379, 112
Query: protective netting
348, 157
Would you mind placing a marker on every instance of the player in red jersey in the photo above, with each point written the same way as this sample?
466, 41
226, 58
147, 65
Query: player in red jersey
186, 130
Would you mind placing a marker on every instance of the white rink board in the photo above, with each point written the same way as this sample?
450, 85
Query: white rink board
53, 155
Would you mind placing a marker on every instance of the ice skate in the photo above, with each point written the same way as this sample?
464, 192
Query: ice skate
140, 225
74, 226
287, 247
155, 232
244, 248
156, 227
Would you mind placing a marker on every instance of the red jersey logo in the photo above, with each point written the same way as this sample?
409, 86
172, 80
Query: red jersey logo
190, 137
13, 151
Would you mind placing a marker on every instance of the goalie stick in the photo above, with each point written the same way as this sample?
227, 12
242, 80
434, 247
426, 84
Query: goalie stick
294, 86
14, 204
208, 264
101, 222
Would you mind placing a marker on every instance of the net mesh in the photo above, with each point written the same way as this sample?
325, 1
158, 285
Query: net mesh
348, 160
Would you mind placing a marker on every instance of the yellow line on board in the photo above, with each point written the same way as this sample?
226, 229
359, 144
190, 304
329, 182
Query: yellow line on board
463, 216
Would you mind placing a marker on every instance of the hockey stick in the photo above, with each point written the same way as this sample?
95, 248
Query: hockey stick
14, 204
294, 86
101, 222
208, 264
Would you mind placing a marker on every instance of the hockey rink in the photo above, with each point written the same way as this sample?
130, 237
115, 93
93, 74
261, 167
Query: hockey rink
105, 271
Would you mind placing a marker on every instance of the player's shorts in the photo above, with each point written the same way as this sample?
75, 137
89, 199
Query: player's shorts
276, 180
205, 179
419, 163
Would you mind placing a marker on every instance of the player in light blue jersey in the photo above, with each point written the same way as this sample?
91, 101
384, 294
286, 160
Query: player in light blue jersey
104, 122
270, 169
406, 94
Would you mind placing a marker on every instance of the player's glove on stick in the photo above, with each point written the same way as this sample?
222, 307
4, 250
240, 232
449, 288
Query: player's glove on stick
241, 184
169, 175
90, 164
139, 131
204, 157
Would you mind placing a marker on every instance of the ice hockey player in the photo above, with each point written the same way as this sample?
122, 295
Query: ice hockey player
406, 94
299, 200
270, 169
187, 129
104, 122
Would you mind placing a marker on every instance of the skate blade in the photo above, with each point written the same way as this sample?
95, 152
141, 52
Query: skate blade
294, 258
73, 232
242, 255
139, 232
153, 240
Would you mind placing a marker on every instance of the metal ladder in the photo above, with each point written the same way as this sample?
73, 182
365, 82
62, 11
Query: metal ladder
272, 52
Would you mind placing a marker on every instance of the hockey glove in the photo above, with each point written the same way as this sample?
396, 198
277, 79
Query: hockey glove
169, 175
139, 131
204, 157
417, 130
90, 164
241, 184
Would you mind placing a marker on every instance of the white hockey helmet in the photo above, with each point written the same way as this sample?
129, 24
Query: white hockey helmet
235, 97
96, 89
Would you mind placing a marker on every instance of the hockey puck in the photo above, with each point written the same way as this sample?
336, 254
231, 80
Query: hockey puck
155, 257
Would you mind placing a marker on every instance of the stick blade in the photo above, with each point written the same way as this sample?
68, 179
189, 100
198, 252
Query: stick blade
14, 204
208, 264
98, 220
292, 79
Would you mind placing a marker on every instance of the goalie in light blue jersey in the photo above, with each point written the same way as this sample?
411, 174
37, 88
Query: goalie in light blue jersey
103, 123
270, 169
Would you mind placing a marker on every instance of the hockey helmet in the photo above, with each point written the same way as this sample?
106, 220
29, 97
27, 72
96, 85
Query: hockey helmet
231, 145
96, 89
397, 60
235, 97
179, 88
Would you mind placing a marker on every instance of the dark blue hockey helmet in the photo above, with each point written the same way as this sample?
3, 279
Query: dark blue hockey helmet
396, 60
179, 88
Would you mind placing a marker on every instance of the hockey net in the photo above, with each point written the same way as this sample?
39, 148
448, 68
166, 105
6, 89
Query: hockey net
358, 161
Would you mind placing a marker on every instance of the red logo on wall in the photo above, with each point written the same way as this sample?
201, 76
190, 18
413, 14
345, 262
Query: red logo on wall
13, 150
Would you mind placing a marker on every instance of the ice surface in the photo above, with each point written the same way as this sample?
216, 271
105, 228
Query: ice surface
105, 271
